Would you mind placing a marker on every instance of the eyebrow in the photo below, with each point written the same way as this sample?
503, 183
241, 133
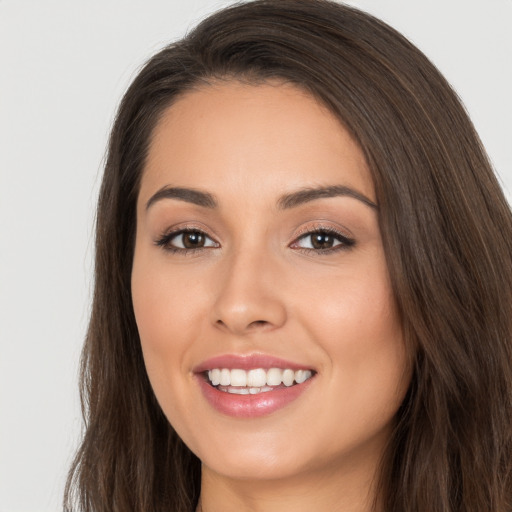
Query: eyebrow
285, 202
311, 194
188, 195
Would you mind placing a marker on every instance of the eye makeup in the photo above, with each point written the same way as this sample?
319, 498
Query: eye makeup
323, 240
319, 239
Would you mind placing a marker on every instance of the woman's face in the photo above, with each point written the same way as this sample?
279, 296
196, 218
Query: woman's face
259, 263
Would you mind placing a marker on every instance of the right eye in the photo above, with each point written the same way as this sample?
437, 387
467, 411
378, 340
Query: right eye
186, 240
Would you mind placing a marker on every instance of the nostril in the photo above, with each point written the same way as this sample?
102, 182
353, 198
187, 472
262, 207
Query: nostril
258, 323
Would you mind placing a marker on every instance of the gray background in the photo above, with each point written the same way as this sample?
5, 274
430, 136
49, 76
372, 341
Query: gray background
63, 68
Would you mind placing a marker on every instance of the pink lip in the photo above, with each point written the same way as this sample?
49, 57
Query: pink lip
249, 406
248, 362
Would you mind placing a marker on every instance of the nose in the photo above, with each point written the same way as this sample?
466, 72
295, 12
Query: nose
249, 297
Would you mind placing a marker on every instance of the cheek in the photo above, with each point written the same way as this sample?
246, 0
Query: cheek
162, 310
354, 308
363, 322
164, 301
354, 319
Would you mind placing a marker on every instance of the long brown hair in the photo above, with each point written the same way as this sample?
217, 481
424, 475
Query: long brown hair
447, 233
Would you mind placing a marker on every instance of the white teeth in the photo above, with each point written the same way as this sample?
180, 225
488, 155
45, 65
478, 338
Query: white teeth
244, 391
239, 391
300, 376
288, 376
238, 378
274, 377
225, 377
214, 376
256, 380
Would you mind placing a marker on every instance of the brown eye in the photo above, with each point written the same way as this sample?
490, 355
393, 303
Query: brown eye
192, 239
322, 240
186, 240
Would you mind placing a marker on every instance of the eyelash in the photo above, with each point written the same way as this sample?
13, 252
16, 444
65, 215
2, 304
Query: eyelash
165, 241
346, 243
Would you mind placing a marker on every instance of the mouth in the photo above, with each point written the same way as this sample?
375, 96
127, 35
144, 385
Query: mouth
252, 385
255, 381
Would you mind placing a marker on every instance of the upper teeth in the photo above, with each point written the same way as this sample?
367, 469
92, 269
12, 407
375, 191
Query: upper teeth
258, 377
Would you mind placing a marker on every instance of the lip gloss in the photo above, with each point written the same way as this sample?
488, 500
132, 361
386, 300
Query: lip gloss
249, 405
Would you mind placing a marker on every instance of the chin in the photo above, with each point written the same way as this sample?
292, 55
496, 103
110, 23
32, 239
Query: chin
255, 464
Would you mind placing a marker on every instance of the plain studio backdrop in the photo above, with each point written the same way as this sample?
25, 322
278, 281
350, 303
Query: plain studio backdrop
63, 68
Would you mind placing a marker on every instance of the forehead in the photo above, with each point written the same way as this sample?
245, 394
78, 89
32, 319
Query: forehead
255, 140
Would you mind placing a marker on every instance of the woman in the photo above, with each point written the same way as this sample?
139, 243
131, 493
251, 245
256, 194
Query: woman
303, 280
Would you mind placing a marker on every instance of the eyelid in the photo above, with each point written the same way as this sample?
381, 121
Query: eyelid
347, 240
164, 239
323, 226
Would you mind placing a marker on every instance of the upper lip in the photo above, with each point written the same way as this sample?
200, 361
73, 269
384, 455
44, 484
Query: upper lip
248, 362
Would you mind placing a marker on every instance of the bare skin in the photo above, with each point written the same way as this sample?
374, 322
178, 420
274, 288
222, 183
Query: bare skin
297, 277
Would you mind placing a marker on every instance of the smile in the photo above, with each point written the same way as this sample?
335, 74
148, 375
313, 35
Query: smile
258, 380
252, 385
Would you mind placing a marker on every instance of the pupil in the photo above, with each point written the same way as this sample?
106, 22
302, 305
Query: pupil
193, 240
322, 241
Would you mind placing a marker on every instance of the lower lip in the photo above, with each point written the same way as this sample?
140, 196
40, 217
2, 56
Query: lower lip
251, 406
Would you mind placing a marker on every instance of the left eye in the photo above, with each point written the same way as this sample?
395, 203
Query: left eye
322, 240
187, 240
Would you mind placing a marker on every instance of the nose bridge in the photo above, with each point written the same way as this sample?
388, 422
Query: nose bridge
248, 296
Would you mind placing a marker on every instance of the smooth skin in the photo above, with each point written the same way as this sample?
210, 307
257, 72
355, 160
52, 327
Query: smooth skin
259, 282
